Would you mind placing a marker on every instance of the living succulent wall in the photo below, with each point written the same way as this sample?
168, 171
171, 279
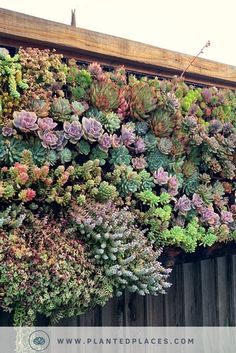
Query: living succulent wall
100, 170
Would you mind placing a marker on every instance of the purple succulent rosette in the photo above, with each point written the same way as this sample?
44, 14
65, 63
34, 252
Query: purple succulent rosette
139, 163
160, 177
116, 141
139, 146
7, 131
173, 185
52, 139
210, 216
25, 121
73, 131
46, 124
127, 135
227, 217
92, 129
105, 142
197, 201
183, 205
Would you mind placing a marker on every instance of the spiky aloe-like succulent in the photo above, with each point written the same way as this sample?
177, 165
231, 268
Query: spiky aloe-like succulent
121, 249
143, 100
162, 122
105, 95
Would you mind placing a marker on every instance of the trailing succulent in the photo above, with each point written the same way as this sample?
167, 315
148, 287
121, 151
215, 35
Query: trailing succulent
100, 170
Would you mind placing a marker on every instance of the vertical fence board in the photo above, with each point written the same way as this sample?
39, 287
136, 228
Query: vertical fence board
231, 285
134, 310
209, 296
154, 306
113, 313
174, 300
192, 294
222, 291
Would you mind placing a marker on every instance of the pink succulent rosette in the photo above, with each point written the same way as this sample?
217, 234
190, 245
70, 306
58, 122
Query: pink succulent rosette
46, 124
73, 131
92, 129
25, 121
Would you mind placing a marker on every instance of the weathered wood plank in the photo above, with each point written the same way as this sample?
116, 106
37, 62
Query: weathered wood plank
231, 287
134, 310
222, 292
113, 313
32, 30
174, 300
91, 318
192, 294
154, 310
209, 296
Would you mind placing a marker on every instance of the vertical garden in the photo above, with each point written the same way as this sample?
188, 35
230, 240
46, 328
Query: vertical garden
98, 172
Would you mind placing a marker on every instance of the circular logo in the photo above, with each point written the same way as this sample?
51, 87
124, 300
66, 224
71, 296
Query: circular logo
39, 340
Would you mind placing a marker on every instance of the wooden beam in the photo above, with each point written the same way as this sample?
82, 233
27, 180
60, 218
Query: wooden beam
89, 45
174, 255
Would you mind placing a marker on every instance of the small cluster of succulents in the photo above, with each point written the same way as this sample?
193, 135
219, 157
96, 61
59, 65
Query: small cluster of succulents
100, 170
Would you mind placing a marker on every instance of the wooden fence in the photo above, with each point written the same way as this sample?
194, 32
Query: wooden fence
203, 292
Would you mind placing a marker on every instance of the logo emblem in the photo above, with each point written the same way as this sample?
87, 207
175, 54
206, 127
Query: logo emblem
39, 340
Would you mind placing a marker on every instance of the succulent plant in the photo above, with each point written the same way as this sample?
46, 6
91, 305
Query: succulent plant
105, 142
98, 154
73, 131
52, 139
78, 108
83, 147
65, 155
110, 121
141, 128
25, 121
105, 95
162, 123
156, 159
61, 109
150, 142
127, 135
46, 124
122, 249
143, 100
106, 192
139, 163
165, 145
161, 177
92, 129
120, 156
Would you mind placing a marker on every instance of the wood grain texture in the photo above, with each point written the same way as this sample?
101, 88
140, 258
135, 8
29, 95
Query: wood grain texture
28, 30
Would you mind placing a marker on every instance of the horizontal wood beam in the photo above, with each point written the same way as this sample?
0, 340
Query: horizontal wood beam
174, 255
20, 29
